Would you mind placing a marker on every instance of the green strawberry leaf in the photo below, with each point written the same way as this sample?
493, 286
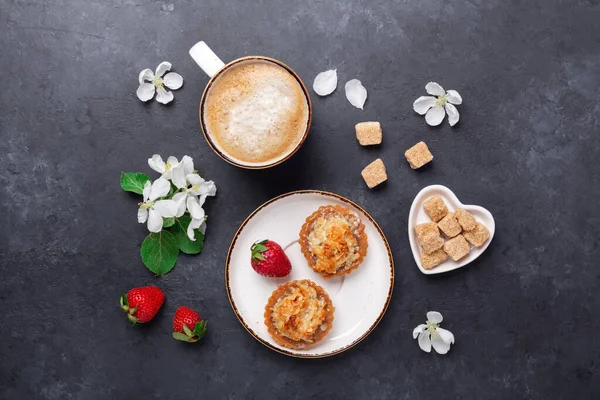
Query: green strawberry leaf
179, 231
168, 222
180, 336
200, 329
134, 182
257, 249
187, 330
159, 252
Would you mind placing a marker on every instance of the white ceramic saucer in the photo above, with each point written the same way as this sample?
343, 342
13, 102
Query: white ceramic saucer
417, 216
360, 299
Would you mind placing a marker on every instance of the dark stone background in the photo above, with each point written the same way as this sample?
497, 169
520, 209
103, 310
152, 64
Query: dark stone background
525, 315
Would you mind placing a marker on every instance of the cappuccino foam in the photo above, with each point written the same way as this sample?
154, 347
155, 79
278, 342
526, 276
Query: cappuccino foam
256, 112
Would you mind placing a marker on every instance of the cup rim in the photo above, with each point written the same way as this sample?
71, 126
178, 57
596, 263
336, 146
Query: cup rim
209, 140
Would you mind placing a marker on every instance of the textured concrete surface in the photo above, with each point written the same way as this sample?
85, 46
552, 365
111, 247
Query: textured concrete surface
525, 315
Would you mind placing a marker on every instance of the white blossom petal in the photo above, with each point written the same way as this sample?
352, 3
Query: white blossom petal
180, 198
172, 161
163, 96
194, 179
142, 215
202, 227
200, 187
173, 80
159, 188
446, 335
440, 346
188, 164
325, 83
166, 208
423, 104
435, 116
194, 208
157, 163
178, 176
453, 115
356, 93
155, 221
434, 89
425, 341
208, 188
146, 191
145, 91
146, 76
162, 68
453, 97
194, 224
418, 330
434, 317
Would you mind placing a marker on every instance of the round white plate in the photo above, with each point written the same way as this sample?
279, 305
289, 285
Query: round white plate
360, 299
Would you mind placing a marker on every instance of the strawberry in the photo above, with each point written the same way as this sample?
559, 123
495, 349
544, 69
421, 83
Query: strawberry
268, 259
141, 304
188, 325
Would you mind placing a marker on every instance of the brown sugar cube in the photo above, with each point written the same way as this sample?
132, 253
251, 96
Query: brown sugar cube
418, 155
449, 225
477, 236
429, 237
374, 173
428, 228
435, 208
457, 247
368, 133
434, 259
465, 219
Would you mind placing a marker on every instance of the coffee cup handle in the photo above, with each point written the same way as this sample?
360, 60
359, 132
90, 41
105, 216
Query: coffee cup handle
206, 59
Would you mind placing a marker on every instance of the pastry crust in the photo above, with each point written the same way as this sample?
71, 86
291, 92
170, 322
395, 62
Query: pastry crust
334, 241
299, 314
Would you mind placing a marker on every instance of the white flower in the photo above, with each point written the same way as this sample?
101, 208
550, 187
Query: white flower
166, 169
151, 83
434, 106
153, 210
192, 189
182, 176
430, 334
194, 198
180, 170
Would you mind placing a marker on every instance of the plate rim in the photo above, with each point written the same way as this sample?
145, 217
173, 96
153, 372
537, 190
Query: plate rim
286, 352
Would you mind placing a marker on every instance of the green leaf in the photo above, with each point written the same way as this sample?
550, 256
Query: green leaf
159, 252
168, 222
179, 231
181, 336
124, 301
187, 330
134, 181
200, 328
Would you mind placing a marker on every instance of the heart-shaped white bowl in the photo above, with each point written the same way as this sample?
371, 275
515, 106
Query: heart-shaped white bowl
417, 216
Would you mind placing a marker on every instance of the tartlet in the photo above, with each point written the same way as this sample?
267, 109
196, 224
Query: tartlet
299, 314
334, 241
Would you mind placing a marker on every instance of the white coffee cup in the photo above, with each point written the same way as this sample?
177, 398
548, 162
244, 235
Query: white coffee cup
212, 65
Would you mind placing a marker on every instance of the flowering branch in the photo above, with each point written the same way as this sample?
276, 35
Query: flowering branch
172, 209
